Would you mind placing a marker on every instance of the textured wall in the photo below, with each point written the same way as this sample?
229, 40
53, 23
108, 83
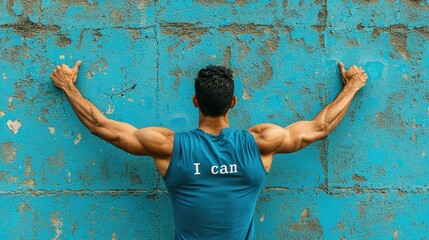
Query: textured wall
367, 180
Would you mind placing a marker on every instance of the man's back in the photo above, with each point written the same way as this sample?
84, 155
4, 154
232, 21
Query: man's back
213, 182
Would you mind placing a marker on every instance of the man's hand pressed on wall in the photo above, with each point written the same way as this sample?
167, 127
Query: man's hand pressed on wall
354, 77
64, 77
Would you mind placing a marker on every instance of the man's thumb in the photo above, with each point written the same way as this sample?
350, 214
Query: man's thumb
77, 65
341, 67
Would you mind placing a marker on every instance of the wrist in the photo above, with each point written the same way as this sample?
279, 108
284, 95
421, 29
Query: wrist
69, 88
351, 88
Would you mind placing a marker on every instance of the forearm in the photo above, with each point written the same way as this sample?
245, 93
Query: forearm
333, 113
87, 112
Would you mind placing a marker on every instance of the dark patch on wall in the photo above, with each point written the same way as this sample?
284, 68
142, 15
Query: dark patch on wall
238, 29
135, 33
424, 31
57, 161
218, 2
390, 119
28, 29
272, 44
358, 178
7, 152
116, 16
285, 3
398, 38
178, 73
398, 35
62, 41
226, 59
185, 31
366, 1
311, 227
322, 19
421, 4
266, 75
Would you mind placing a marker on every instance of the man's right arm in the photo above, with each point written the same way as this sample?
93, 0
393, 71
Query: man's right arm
152, 141
272, 139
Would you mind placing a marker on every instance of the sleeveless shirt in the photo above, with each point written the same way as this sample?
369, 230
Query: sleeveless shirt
213, 182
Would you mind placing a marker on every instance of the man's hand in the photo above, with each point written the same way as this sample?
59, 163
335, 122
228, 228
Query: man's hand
354, 76
63, 76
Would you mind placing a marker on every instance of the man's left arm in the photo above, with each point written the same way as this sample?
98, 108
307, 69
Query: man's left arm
272, 139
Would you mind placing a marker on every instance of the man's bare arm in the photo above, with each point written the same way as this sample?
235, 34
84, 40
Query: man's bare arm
155, 142
272, 139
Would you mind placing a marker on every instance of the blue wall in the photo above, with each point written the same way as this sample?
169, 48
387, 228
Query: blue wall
367, 180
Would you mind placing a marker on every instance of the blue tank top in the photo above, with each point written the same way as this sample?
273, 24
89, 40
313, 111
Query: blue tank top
213, 183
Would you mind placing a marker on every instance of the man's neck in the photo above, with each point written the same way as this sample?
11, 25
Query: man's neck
213, 125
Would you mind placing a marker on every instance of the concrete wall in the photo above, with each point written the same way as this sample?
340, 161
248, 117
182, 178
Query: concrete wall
367, 180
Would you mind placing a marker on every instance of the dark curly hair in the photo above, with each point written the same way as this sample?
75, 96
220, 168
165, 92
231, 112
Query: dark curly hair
214, 89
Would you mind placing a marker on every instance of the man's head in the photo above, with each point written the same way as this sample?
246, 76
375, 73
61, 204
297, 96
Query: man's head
214, 90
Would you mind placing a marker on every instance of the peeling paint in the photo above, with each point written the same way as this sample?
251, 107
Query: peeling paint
110, 109
114, 236
358, 178
51, 130
78, 138
28, 167
14, 126
69, 176
28, 183
57, 224
10, 105
23, 207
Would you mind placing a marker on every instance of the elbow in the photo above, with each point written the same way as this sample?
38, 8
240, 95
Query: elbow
324, 128
93, 130
96, 125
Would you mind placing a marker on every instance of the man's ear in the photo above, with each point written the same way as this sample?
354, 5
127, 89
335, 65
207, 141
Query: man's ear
233, 102
195, 101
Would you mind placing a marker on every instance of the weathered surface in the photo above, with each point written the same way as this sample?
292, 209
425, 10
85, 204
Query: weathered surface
367, 180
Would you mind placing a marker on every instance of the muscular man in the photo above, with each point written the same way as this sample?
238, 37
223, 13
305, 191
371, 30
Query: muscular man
213, 173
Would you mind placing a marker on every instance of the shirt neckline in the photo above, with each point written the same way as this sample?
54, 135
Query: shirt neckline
222, 132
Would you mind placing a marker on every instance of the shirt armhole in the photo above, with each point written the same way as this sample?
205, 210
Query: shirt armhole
258, 153
174, 155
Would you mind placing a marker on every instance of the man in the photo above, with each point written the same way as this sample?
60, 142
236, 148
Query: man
213, 173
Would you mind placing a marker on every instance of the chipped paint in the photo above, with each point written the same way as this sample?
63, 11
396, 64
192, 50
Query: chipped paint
14, 126
78, 138
7, 152
28, 183
51, 130
110, 109
57, 224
